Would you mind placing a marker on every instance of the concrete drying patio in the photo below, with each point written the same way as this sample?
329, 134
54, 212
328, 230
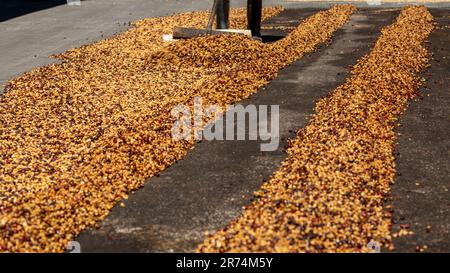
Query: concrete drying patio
206, 190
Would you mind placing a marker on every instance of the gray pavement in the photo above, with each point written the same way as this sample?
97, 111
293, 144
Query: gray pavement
28, 40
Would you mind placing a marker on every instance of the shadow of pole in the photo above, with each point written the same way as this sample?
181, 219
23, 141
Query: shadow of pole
10, 9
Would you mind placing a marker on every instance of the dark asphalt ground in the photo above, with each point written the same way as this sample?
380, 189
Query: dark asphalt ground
421, 197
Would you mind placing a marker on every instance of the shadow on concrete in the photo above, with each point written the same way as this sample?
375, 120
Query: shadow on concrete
14, 8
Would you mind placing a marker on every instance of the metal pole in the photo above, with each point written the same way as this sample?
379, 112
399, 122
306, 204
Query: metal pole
223, 11
254, 13
211, 16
